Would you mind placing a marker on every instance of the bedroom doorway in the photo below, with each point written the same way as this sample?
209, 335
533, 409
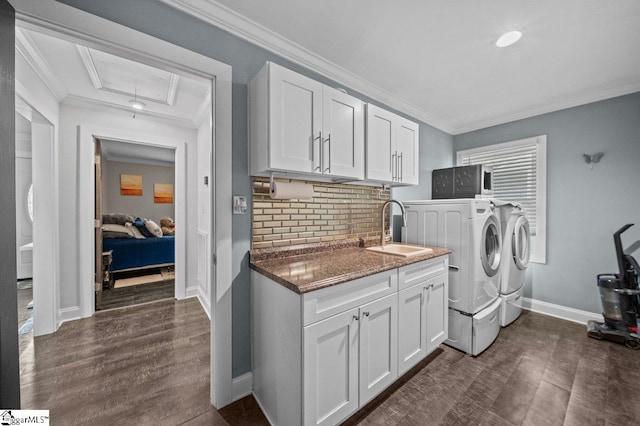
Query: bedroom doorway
135, 244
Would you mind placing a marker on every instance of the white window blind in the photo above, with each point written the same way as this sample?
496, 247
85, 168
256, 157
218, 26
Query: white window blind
519, 175
514, 176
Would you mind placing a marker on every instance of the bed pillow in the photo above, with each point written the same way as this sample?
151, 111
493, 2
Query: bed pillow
153, 228
110, 230
117, 218
134, 231
139, 223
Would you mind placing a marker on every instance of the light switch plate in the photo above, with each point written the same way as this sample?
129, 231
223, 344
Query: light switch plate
239, 204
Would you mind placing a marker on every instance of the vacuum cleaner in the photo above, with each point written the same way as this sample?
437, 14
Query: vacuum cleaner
620, 296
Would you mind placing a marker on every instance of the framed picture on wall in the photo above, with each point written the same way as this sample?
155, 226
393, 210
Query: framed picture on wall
130, 184
163, 193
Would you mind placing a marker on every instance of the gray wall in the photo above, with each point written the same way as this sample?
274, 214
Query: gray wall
584, 206
140, 206
159, 20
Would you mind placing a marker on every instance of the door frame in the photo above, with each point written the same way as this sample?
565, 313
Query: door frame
87, 137
72, 24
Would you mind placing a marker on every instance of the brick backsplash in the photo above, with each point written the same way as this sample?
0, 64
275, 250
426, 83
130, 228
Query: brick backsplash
337, 212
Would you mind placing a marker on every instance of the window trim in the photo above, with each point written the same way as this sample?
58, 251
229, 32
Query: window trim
539, 255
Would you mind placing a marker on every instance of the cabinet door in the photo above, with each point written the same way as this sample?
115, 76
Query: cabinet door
381, 145
295, 108
342, 134
330, 365
407, 142
437, 303
378, 346
412, 321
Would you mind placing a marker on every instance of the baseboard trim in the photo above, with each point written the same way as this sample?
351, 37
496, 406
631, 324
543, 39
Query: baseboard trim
191, 292
241, 386
559, 311
204, 301
266, 415
68, 314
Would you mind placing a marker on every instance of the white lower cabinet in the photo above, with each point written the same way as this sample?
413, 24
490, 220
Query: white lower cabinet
320, 356
348, 359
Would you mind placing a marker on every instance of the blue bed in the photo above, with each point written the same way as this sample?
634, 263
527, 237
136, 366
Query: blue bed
132, 253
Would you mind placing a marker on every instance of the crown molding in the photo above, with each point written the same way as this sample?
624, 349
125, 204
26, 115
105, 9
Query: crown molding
82, 102
597, 95
173, 88
29, 51
222, 17
89, 66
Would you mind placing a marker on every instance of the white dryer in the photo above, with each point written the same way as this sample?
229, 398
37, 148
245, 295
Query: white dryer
515, 260
471, 229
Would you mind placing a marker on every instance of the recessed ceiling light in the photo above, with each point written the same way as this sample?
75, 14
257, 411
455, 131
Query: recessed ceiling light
507, 39
136, 105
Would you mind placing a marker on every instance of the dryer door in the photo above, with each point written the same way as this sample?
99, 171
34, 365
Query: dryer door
490, 247
520, 243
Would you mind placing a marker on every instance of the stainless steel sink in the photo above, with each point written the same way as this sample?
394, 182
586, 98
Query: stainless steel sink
404, 250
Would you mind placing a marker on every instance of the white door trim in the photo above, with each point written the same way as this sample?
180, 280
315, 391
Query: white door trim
87, 135
75, 25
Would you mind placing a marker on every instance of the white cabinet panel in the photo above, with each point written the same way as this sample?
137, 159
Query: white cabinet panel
295, 107
392, 147
331, 369
412, 344
407, 145
380, 144
342, 134
437, 311
378, 346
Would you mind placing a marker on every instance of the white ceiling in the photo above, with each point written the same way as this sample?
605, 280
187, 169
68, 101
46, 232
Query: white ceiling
436, 60
86, 77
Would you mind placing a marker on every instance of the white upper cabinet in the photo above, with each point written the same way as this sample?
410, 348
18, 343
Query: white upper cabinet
392, 148
299, 125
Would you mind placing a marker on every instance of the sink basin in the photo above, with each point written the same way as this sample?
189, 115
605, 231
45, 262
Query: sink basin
404, 250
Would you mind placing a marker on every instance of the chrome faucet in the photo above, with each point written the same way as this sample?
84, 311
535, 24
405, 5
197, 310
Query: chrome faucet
404, 218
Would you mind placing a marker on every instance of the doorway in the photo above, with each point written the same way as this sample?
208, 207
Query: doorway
135, 204
101, 34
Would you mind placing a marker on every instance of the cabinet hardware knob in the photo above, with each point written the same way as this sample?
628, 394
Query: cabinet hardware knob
366, 314
355, 317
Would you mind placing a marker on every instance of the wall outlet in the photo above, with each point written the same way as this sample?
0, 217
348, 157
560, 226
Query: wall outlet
239, 204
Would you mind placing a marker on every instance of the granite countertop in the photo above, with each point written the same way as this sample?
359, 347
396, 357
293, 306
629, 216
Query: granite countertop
314, 266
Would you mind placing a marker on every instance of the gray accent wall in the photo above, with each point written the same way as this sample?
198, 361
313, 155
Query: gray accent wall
159, 20
140, 206
585, 205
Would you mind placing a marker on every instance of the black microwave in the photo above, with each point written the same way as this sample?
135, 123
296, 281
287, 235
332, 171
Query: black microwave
461, 182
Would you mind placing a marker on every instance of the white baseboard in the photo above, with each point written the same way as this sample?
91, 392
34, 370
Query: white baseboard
559, 311
241, 386
191, 292
262, 408
204, 301
68, 314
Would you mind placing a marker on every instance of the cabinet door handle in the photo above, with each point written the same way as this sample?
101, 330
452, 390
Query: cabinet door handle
454, 268
355, 317
328, 169
319, 138
366, 313
394, 166
401, 167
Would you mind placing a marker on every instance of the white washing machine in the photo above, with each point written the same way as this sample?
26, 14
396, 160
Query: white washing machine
515, 260
471, 229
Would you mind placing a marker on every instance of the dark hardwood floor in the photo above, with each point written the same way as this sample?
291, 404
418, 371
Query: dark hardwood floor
149, 364
137, 294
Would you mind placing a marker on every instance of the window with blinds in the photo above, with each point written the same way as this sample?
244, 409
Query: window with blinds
519, 175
